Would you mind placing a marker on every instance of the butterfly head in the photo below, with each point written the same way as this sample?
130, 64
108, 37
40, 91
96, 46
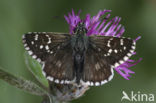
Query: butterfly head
80, 29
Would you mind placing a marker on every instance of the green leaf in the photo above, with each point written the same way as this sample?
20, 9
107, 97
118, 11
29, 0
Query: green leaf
36, 69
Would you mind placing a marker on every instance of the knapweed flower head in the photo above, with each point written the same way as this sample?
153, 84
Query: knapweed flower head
101, 25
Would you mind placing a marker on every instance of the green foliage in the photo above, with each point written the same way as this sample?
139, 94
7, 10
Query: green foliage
36, 69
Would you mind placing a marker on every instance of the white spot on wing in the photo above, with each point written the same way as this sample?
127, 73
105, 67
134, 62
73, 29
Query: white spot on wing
133, 47
49, 40
88, 83
103, 82
30, 52
116, 51
116, 64
39, 60
129, 54
110, 50
134, 43
97, 84
125, 58
50, 78
41, 46
34, 56
56, 81
108, 54
111, 76
131, 51
32, 42
121, 61
47, 47
67, 81
36, 37
51, 52
62, 82
108, 44
91, 83
27, 48
121, 41
25, 45
124, 47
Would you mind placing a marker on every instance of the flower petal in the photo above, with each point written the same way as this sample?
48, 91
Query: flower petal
123, 68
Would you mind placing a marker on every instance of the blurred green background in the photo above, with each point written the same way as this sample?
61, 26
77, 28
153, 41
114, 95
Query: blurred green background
21, 16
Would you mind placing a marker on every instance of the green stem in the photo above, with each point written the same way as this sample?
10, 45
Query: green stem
22, 84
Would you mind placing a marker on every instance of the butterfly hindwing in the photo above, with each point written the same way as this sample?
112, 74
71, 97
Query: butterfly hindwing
97, 71
59, 67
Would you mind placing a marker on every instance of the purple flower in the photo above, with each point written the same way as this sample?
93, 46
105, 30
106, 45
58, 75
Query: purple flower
98, 26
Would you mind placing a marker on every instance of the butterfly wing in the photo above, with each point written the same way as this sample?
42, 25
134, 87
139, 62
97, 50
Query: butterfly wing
59, 67
42, 44
116, 50
104, 54
53, 50
96, 69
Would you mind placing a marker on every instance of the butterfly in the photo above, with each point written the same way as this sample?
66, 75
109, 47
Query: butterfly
78, 58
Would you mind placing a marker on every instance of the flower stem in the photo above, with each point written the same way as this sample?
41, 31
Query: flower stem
21, 83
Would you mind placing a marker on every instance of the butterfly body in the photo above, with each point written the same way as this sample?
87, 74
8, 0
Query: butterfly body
78, 58
79, 43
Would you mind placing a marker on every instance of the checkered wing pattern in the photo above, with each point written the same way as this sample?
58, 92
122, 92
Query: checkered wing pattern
54, 52
105, 53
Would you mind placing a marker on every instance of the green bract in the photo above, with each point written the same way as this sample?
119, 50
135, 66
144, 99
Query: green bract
36, 69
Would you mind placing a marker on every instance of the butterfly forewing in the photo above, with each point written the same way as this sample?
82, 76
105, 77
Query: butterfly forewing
42, 44
53, 50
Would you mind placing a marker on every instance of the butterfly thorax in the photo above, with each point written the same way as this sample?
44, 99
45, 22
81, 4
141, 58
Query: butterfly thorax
79, 39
